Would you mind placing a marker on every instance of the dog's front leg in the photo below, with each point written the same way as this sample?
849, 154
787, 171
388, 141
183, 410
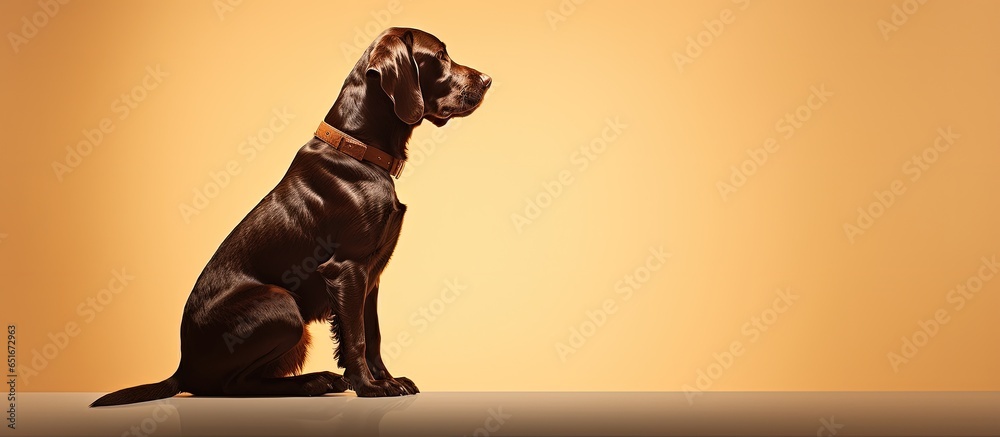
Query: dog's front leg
373, 343
373, 336
347, 286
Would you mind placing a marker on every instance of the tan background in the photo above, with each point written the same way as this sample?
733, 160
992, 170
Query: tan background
654, 185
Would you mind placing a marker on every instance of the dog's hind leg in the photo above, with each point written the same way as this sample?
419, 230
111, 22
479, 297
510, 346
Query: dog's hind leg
270, 343
265, 342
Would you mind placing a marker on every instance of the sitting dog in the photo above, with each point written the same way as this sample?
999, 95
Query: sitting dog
334, 214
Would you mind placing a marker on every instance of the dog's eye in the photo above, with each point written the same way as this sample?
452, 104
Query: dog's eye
440, 55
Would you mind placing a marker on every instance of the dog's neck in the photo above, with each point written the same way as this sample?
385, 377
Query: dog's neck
365, 112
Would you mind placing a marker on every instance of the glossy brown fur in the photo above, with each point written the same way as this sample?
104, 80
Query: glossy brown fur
243, 331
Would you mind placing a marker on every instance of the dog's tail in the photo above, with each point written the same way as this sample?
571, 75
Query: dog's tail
141, 393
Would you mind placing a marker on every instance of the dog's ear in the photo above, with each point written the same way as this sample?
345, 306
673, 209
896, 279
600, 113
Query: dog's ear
392, 59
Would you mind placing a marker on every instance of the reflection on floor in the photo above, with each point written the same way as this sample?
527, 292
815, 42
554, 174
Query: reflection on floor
521, 414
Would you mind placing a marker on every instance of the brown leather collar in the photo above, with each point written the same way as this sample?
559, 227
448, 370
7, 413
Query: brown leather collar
358, 150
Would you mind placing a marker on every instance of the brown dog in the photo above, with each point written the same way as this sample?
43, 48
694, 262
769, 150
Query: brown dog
314, 248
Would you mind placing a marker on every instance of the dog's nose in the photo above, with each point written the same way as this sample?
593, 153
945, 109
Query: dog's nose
487, 81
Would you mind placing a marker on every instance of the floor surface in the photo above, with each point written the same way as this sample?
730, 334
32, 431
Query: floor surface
523, 414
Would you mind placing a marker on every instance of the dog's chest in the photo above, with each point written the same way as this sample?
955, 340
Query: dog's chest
389, 238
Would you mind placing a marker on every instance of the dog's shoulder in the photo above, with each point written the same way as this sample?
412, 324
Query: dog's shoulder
334, 189
332, 172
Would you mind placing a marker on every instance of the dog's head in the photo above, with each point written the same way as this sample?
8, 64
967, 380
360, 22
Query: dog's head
421, 79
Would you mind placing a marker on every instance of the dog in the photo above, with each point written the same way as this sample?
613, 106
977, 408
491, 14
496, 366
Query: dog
314, 248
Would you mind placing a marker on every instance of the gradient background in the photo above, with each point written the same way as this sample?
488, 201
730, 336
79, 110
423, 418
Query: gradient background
555, 87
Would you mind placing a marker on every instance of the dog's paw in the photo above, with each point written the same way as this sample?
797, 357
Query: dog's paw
315, 387
409, 385
381, 388
335, 383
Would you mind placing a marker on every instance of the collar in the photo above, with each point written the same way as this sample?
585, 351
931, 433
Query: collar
358, 150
